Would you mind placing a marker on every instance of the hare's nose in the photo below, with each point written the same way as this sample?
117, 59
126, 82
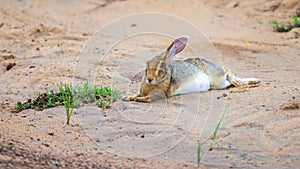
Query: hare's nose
150, 80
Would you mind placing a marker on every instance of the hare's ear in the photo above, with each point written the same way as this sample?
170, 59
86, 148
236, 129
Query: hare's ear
177, 46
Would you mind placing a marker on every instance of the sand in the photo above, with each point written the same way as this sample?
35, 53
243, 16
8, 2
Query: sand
44, 43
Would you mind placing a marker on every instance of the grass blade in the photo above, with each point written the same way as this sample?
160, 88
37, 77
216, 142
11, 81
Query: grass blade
217, 129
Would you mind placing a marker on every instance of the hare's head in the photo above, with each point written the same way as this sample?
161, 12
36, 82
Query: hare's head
158, 69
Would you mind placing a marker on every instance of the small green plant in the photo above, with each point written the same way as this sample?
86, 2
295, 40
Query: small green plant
69, 106
20, 106
259, 22
217, 129
281, 27
70, 97
67, 94
198, 151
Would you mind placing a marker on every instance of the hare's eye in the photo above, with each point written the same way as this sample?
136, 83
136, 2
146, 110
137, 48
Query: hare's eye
161, 72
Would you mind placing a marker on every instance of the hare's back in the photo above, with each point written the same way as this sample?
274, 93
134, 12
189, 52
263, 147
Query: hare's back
212, 69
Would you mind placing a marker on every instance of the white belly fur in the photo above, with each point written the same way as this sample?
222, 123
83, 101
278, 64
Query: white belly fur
197, 83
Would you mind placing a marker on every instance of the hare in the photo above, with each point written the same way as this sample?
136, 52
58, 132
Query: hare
175, 77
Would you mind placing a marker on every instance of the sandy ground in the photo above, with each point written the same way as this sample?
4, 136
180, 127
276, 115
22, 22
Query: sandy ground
40, 45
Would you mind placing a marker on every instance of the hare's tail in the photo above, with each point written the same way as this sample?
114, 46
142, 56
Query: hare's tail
236, 81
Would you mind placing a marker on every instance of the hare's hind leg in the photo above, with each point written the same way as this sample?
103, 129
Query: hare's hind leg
236, 81
220, 82
250, 81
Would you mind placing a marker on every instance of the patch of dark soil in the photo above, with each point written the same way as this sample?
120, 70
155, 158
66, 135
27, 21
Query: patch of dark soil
10, 65
7, 57
291, 105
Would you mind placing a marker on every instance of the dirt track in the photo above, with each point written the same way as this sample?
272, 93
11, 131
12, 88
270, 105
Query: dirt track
41, 41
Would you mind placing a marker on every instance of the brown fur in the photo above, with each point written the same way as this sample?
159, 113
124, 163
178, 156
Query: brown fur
149, 92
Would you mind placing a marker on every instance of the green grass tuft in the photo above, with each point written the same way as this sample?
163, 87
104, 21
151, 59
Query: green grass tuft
281, 27
71, 97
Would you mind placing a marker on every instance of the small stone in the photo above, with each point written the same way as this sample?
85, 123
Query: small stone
271, 6
228, 98
10, 65
233, 4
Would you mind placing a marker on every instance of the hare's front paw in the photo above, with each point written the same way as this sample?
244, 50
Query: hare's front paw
137, 98
130, 98
127, 98
145, 99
